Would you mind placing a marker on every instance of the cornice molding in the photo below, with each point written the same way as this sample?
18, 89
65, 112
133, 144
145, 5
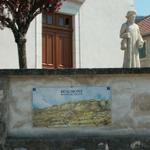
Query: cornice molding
84, 71
76, 1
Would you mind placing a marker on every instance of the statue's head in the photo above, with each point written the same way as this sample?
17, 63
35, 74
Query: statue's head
131, 15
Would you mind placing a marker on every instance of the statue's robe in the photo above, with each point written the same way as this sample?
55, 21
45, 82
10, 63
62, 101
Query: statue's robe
131, 53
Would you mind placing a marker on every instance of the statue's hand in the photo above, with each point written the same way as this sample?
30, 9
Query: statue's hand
140, 45
127, 35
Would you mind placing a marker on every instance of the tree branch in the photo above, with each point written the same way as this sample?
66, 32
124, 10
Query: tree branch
12, 7
10, 24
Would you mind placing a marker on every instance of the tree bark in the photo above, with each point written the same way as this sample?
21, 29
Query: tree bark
21, 44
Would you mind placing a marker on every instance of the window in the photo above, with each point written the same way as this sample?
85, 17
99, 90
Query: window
61, 21
142, 51
57, 20
49, 19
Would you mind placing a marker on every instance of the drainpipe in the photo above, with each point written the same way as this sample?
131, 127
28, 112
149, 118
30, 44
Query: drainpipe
79, 39
35, 43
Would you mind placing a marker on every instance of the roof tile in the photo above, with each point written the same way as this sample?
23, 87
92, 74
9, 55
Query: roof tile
144, 26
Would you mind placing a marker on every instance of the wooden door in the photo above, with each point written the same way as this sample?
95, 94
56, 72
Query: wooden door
48, 50
64, 50
57, 41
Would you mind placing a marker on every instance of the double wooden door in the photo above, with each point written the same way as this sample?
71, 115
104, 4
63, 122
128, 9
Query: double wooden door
57, 43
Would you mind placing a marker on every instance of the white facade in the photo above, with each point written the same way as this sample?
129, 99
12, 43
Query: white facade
96, 42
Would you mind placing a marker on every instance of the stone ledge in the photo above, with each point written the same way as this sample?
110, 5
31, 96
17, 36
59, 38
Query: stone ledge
76, 1
83, 143
88, 71
52, 133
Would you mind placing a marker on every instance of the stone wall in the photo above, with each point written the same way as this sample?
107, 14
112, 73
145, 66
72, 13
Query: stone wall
130, 127
130, 97
3, 111
126, 142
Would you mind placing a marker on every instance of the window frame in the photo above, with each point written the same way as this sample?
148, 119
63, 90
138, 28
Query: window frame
143, 58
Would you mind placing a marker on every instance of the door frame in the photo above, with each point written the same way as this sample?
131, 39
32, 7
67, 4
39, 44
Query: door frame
37, 24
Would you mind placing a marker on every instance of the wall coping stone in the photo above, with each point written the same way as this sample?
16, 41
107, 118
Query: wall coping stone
77, 133
85, 71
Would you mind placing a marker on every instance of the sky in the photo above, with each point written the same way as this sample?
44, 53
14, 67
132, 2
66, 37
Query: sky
45, 97
142, 7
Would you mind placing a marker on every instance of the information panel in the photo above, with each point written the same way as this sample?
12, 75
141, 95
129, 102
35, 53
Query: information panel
57, 107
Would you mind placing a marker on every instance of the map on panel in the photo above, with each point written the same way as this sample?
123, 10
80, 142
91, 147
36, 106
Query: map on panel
68, 107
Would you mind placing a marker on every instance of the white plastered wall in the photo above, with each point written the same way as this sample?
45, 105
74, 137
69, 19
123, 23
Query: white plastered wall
96, 42
100, 23
8, 50
8, 47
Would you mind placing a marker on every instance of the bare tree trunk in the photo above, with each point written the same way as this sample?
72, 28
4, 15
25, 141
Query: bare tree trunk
21, 44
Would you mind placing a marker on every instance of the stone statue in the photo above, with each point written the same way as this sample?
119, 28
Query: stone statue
131, 41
